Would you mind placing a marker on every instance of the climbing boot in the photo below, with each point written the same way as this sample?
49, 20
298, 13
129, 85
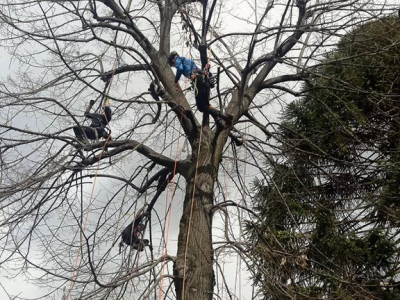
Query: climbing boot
212, 81
219, 123
228, 119
106, 136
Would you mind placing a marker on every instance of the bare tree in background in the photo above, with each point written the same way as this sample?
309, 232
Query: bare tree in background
57, 231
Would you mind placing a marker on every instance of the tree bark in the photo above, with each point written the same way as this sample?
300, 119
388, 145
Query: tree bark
193, 269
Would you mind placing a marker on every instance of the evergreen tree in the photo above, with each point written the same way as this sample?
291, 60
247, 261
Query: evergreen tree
330, 211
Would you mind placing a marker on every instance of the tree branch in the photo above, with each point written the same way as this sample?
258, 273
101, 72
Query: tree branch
121, 146
128, 68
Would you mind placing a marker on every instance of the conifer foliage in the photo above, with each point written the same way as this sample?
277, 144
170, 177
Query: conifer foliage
330, 210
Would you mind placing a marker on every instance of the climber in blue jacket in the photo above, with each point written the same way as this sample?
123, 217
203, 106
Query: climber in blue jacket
200, 81
183, 65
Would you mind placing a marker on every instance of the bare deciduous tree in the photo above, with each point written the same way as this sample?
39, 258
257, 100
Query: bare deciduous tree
63, 206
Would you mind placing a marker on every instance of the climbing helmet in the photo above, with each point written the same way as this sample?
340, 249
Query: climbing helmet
171, 56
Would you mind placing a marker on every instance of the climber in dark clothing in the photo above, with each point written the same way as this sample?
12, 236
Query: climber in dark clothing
131, 234
97, 128
202, 82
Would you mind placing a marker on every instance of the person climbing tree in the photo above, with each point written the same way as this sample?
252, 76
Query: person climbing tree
183, 65
97, 128
131, 234
202, 82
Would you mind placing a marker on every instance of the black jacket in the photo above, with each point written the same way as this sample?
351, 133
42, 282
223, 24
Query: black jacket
100, 120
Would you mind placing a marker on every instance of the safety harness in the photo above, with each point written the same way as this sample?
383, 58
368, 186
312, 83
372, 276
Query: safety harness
204, 76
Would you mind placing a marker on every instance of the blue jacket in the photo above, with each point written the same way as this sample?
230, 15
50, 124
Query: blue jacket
184, 66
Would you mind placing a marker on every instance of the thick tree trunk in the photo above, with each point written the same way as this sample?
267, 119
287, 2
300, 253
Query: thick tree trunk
193, 270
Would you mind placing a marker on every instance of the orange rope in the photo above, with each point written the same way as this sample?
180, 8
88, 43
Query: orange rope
85, 222
243, 200
166, 234
226, 193
171, 185
91, 195
191, 214
191, 209
166, 230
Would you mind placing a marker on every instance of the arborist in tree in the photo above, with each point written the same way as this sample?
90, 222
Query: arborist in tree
97, 128
131, 235
202, 82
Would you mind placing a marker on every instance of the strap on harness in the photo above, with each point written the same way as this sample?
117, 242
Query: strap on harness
96, 134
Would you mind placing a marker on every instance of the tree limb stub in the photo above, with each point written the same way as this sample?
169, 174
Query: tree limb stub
128, 68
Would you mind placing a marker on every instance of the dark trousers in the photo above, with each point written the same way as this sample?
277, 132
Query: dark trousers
135, 243
130, 238
92, 133
202, 94
140, 244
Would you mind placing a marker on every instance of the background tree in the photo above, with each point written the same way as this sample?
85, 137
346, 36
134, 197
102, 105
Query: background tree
63, 208
329, 211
